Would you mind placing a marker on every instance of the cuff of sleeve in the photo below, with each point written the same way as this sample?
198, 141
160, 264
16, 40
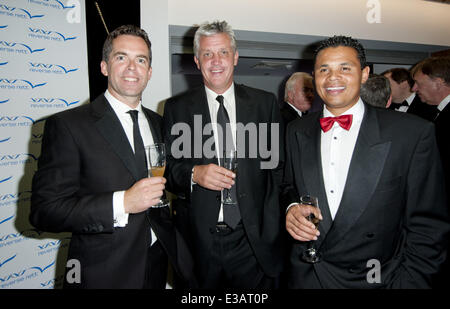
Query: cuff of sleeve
119, 215
290, 205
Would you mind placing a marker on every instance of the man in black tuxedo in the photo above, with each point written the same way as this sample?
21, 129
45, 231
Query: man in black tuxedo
432, 84
404, 99
235, 246
379, 182
298, 97
92, 178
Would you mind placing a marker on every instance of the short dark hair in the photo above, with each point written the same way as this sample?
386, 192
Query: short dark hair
376, 90
346, 41
435, 67
126, 30
399, 75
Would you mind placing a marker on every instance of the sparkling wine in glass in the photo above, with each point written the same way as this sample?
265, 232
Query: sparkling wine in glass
311, 255
156, 158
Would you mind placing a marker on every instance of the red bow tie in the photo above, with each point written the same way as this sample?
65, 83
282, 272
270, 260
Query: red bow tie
345, 121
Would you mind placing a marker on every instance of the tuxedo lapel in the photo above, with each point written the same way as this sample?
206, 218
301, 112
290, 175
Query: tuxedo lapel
311, 170
111, 129
365, 169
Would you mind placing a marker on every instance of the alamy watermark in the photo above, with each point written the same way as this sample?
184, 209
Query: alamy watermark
256, 136
374, 14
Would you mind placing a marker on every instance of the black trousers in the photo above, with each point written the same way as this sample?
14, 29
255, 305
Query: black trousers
156, 269
231, 262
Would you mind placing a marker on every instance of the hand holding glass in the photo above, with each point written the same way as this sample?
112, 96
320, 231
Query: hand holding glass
156, 158
311, 255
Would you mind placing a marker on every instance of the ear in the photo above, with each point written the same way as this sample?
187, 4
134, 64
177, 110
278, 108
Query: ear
236, 57
197, 62
365, 74
149, 73
389, 101
104, 68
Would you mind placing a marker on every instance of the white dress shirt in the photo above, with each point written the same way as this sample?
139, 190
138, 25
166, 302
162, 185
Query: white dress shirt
230, 105
409, 100
121, 110
443, 103
337, 147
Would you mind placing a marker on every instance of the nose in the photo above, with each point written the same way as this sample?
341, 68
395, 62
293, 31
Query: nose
215, 58
414, 88
334, 74
131, 65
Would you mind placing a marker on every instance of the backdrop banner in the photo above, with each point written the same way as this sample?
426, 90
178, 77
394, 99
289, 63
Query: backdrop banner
43, 70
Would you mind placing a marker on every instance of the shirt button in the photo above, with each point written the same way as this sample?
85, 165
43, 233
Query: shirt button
335, 137
332, 191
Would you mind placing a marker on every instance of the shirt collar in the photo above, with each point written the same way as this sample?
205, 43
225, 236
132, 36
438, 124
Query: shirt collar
228, 94
356, 110
411, 98
443, 103
295, 109
118, 106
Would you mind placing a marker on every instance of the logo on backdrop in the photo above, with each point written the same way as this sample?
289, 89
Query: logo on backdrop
39, 33
55, 4
12, 11
24, 274
19, 48
51, 102
19, 84
15, 198
18, 121
17, 159
50, 68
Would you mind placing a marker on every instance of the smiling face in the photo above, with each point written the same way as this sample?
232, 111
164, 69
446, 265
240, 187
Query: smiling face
216, 60
128, 69
338, 77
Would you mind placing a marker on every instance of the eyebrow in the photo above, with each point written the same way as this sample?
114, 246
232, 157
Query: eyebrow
125, 54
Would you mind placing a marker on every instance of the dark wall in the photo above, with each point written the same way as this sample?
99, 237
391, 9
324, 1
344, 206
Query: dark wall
115, 14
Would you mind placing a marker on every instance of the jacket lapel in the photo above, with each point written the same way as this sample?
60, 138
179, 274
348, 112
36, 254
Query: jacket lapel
365, 169
111, 129
311, 169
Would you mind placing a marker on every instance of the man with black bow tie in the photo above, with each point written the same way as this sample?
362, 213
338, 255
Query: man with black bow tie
404, 99
379, 183
432, 83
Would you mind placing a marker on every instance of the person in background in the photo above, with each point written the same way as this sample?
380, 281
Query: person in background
379, 182
377, 91
240, 245
432, 84
404, 99
298, 96
92, 179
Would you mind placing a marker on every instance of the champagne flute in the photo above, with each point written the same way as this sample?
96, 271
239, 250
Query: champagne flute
230, 163
156, 158
311, 255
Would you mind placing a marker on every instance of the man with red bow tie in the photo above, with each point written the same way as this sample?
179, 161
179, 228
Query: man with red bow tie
378, 178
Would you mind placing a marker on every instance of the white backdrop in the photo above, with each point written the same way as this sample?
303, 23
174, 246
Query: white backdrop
43, 70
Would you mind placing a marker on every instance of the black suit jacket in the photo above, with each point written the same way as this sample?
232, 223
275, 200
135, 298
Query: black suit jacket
257, 189
288, 114
85, 157
392, 209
